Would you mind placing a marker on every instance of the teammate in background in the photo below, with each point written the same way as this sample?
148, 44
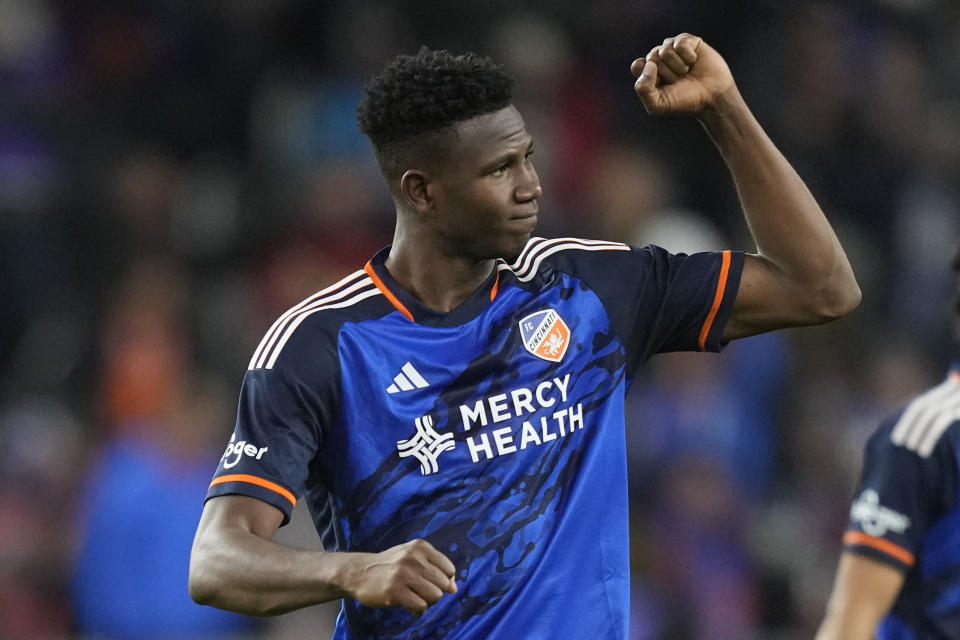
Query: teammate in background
899, 574
453, 412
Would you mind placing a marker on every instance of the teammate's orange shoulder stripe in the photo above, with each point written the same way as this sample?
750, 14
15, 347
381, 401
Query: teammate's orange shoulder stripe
496, 283
260, 482
368, 268
898, 552
717, 299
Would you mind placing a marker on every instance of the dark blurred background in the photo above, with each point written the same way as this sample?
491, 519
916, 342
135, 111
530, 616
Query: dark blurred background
174, 174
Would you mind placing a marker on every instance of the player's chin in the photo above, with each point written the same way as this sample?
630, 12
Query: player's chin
513, 245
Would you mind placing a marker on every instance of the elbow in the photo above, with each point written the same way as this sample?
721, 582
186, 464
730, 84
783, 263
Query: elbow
207, 587
836, 301
202, 588
206, 590
204, 583
200, 593
844, 298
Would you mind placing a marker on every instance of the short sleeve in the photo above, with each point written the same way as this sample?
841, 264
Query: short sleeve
900, 496
280, 420
659, 301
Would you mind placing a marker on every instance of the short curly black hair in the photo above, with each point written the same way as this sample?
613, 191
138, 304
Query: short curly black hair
412, 104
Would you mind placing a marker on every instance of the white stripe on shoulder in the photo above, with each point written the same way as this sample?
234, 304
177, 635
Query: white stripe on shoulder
374, 291
537, 245
526, 265
916, 409
927, 417
337, 294
271, 334
532, 244
937, 428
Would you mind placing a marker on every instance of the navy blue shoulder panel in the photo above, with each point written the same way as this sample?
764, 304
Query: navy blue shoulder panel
657, 301
908, 484
290, 397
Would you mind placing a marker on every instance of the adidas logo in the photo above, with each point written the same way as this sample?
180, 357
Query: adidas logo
407, 380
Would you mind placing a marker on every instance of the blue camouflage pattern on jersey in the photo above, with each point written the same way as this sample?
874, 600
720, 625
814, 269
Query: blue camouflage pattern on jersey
487, 516
494, 431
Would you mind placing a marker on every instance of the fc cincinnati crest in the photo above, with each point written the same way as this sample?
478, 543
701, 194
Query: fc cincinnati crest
545, 335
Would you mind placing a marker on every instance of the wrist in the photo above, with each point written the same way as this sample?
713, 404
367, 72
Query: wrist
724, 107
342, 572
727, 117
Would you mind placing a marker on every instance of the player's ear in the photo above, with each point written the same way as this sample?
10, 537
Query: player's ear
415, 189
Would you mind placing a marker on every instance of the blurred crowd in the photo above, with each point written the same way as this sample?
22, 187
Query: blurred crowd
175, 174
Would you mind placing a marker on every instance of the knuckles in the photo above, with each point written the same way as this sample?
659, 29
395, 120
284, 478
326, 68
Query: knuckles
399, 573
418, 546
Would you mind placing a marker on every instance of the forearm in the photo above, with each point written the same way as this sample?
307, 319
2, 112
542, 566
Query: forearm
863, 593
235, 565
847, 624
236, 570
847, 620
792, 235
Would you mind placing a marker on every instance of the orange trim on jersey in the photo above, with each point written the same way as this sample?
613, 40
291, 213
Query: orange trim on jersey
717, 299
260, 482
955, 375
368, 268
496, 283
862, 539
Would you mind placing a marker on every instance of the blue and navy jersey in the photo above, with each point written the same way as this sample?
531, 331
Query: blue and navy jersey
906, 512
494, 431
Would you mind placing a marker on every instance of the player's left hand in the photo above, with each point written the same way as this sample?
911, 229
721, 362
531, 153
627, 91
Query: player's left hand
682, 75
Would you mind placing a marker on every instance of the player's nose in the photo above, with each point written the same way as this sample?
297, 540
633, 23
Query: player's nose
529, 188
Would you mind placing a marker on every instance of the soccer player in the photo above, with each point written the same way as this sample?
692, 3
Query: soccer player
452, 413
899, 573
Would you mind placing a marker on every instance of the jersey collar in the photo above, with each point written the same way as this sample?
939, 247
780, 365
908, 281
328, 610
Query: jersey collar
415, 311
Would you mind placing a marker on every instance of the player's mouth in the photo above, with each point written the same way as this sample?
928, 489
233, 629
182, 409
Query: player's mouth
526, 220
527, 214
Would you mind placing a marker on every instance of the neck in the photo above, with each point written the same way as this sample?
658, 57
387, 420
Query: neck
438, 280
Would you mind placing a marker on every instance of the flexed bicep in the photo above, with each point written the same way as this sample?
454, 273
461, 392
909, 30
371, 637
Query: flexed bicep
769, 299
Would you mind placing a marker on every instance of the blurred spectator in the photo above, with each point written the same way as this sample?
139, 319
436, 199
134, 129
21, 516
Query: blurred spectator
722, 408
144, 491
702, 566
926, 222
43, 446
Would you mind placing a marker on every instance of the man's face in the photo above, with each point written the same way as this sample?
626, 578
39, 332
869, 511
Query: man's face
487, 190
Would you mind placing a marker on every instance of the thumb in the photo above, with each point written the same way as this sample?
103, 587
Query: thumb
646, 85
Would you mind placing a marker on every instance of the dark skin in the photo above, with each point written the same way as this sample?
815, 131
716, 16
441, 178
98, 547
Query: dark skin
455, 217
863, 592
799, 275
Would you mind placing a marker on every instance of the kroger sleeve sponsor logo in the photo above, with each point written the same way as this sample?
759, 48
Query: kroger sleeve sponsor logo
875, 519
239, 448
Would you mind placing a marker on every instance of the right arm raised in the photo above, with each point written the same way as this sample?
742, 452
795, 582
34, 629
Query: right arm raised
235, 565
